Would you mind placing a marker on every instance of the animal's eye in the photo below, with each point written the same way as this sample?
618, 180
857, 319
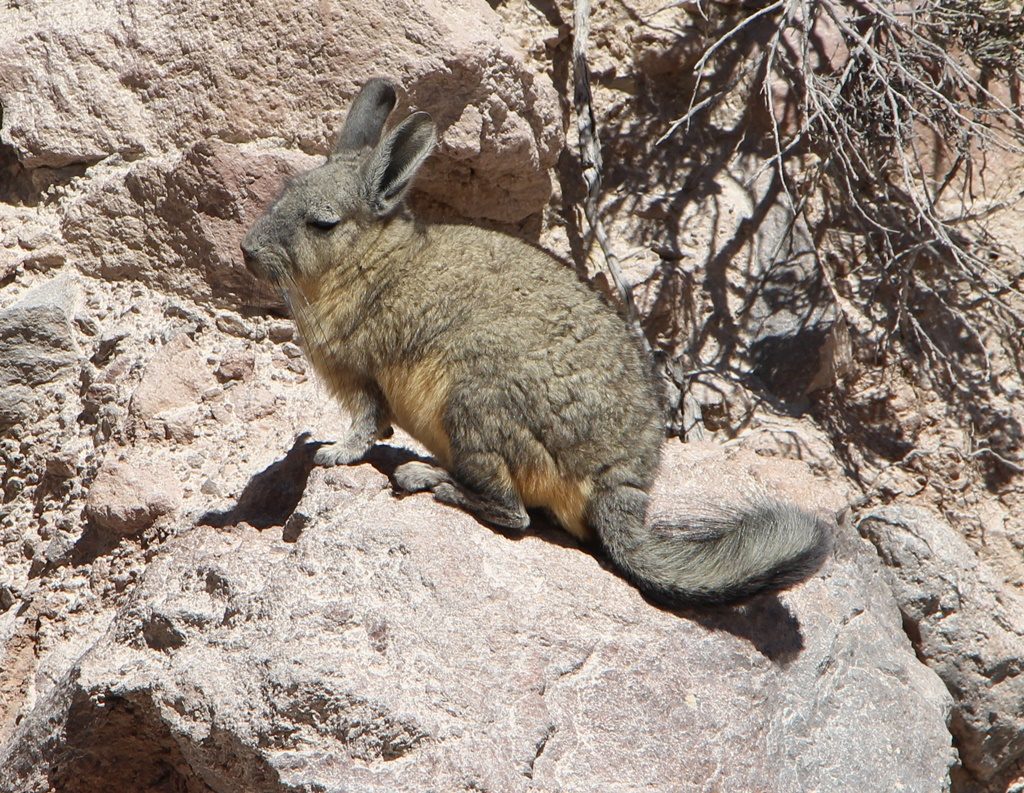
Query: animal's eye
323, 222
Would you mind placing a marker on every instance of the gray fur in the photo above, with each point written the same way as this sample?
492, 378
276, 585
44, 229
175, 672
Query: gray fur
519, 378
388, 171
365, 120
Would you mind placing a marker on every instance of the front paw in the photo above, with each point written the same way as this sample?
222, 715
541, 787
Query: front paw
415, 477
331, 454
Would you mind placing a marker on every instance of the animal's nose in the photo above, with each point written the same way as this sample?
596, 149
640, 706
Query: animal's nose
248, 255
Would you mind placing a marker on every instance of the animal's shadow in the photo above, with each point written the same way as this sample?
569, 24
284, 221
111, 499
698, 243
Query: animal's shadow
763, 620
271, 496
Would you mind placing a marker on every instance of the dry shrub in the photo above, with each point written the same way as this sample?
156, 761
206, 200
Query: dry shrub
896, 134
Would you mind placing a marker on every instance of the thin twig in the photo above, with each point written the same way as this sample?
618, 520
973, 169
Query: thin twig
590, 161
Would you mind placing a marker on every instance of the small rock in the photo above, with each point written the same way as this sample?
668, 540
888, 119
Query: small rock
63, 463
180, 424
87, 325
180, 312
16, 405
110, 421
234, 325
31, 548
291, 350
9, 268
256, 403
281, 332
99, 394
9, 595
293, 527
236, 365
50, 258
107, 346
59, 549
129, 495
35, 238
37, 343
176, 377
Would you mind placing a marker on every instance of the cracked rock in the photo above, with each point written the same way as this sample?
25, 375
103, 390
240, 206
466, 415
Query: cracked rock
967, 626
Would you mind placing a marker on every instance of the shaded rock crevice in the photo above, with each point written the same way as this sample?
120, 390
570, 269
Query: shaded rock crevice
98, 740
120, 743
24, 186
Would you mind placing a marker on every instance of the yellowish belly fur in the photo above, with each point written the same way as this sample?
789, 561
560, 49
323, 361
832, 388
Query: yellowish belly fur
417, 394
543, 486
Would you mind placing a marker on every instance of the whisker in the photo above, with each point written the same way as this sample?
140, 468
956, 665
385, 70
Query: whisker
311, 332
305, 317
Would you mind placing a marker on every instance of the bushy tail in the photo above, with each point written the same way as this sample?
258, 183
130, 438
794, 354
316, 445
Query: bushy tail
720, 558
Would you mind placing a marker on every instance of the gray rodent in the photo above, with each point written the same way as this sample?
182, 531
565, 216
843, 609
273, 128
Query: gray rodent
523, 383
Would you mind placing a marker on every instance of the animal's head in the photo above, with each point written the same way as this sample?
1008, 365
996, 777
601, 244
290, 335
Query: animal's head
321, 211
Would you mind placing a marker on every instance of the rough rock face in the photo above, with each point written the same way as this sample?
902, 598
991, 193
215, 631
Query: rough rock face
187, 210
143, 79
968, 628
400, 645
183, 109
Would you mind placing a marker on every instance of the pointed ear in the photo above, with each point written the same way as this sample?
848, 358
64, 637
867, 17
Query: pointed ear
365, 119
391, 166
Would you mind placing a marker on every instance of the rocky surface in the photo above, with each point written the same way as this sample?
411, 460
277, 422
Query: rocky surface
85, 82
186, 605
968, 627
380, 644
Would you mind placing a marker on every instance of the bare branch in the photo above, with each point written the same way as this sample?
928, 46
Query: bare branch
590, 157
